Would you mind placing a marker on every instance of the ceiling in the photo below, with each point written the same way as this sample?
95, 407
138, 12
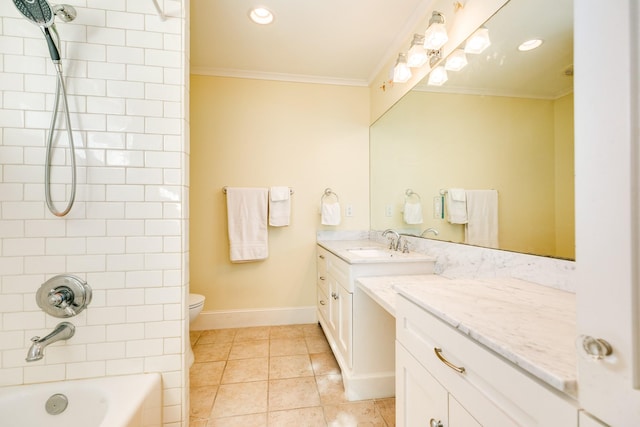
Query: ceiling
328, 41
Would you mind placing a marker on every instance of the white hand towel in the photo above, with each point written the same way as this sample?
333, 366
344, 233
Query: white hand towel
412, 213
482, 210
247, 224
456, 206
279, 206
330, 213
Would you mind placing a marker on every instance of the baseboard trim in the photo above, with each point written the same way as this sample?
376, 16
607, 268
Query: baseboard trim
224, 319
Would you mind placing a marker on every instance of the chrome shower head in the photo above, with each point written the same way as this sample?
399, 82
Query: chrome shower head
40, 13
37, 11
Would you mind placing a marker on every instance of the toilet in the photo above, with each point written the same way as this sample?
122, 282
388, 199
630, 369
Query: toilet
196, 302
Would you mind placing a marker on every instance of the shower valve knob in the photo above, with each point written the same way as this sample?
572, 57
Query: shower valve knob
63, 296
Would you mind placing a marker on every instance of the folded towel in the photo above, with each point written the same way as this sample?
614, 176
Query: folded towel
279, 206
482, 211
330, 213
412, 213
247, 224
456, 206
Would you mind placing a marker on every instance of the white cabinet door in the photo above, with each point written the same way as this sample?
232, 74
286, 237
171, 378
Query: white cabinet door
344, 301
419, 396
459, 417
607, 205
334, 307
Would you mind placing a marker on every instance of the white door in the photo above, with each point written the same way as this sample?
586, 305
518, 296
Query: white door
607, 153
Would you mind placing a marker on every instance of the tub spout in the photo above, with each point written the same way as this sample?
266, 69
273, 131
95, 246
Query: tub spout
63, 331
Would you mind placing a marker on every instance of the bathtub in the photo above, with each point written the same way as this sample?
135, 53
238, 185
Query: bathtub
122, 401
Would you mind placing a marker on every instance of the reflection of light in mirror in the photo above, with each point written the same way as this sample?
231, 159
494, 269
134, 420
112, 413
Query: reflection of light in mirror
478, 41
456, 61
417, 56
436, 35
530, 45
401, 72
438, 76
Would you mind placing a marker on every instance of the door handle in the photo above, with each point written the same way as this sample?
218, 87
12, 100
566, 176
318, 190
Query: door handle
596, 348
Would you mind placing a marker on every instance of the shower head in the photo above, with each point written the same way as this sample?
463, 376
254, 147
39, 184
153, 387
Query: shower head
40, 13
37, 11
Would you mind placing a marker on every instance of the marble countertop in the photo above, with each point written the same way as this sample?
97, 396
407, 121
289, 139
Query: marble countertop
341, 249
532, 326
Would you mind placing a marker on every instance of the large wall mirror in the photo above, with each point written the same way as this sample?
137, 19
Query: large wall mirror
503, 122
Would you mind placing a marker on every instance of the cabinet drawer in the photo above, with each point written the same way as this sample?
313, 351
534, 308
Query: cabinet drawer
322, 303
322, 256
526, 400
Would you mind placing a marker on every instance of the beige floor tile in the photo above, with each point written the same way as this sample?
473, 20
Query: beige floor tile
206, 374
331, 389
387, 409
317, 345
253, 420
286, 331
354, 414
211, 352
217, 335
252, 334
312, 330
290, 367
201, 401
324, 364
193, 336
246, 370
240, 399
287, 347
305, 417
293, 393
197, 422
249, 349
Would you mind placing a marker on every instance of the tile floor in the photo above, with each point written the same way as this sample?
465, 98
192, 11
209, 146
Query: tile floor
275, 376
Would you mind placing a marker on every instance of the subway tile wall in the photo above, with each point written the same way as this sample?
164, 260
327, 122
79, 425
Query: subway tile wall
127, 80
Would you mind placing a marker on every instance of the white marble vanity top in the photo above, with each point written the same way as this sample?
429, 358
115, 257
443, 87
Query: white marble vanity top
342, 249
530, 325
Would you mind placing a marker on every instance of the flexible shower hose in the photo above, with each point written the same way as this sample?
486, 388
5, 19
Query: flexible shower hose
60, 89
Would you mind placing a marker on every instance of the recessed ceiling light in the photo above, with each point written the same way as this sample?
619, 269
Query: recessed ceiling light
530, 45
261, 15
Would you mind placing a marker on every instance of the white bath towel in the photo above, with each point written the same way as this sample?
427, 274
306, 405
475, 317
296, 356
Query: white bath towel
279, 206
482, 211
412, 213
330, 213
456, 206
247, 224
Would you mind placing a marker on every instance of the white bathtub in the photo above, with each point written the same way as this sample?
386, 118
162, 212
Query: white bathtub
123, 401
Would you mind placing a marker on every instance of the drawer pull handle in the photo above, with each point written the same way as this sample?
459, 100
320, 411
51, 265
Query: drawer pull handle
322, 278
321, 256
439, 355
334, 295
435, 423
322, 302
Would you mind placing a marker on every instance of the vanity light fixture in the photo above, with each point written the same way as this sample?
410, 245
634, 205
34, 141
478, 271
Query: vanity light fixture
478, 41
401, 71
530, 45
261, 15
438, 76
456, 61
436, 35
417, 56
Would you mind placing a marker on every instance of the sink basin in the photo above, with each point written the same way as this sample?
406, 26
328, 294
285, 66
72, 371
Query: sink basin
371, 253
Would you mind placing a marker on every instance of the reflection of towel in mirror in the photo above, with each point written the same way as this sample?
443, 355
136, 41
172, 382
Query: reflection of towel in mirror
279, 206
412, 213
330, 213
247, 223
482, 210
456, 206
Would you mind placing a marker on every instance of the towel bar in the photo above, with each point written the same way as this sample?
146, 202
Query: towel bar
327, 193
410, 193
224, 190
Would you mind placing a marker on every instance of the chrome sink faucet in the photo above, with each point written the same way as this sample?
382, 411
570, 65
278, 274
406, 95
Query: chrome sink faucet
394, 241
63, 331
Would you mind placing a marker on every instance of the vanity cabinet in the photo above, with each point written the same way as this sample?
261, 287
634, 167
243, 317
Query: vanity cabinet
442, 374
360, 332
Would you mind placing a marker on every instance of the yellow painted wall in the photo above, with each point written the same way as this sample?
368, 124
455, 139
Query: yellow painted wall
258, 133
565, 178
437, 141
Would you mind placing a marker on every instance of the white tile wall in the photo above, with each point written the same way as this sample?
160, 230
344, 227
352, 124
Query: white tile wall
127, 233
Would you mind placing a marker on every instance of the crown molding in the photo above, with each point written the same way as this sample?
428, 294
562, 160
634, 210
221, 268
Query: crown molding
258, 75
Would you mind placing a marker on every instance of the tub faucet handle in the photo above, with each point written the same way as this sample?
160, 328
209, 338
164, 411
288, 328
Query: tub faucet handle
63, 296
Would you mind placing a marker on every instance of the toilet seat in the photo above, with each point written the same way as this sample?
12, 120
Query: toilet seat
195, 300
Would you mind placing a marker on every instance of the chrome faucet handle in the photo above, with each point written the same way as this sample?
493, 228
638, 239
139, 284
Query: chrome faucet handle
63, 296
